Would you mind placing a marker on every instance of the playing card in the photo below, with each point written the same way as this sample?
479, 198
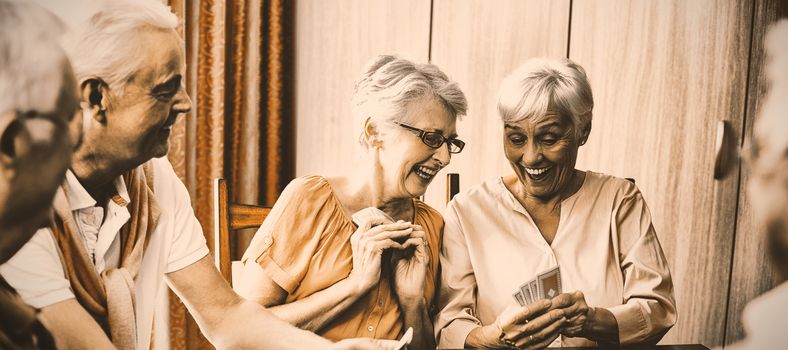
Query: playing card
527, 295
519, 297
533, 287
549, 283
369, 214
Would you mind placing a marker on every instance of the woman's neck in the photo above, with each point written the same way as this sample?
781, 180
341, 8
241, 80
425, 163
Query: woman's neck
364, 189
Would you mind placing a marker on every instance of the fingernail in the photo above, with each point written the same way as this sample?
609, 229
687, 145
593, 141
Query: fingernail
547, 303
561, 313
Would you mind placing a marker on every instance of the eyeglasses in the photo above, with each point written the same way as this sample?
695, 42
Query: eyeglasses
435, 139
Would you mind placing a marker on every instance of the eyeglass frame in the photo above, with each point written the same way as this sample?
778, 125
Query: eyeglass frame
422, 134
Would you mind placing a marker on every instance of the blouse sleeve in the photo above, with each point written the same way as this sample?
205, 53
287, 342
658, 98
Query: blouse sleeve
288, 238
649, 308
457, 299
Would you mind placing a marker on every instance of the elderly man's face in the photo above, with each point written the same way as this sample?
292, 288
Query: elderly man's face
42, 146
140, 119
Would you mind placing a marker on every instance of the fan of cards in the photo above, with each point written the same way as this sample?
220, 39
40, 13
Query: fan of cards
545, 286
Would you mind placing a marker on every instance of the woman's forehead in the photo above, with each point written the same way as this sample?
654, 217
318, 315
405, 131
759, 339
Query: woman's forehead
428, 112
547, 120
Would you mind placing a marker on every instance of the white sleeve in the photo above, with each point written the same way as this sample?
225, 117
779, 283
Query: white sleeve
457, 301
187, 243
36, 272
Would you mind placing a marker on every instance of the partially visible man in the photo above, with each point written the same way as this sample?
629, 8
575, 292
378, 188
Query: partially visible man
765, 317
123, 221
38, 99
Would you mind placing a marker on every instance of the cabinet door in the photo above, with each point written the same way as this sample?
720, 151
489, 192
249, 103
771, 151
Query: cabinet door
334, 40
664, 74
477, 43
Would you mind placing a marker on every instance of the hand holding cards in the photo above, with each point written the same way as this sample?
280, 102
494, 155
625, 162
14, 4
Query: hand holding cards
546, 285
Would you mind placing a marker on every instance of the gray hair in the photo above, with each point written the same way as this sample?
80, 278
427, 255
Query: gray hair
388, 83
544, 85
104, 46
31, 61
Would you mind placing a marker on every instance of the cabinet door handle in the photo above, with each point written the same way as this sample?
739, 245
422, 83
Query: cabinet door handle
722, 158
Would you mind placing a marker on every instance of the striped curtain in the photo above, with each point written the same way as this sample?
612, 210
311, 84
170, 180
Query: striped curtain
239, 76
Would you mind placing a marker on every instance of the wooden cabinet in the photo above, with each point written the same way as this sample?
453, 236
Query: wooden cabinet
333, 41
664, 74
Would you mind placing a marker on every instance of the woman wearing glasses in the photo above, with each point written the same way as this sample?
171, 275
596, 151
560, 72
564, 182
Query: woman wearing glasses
594, 229
323, 265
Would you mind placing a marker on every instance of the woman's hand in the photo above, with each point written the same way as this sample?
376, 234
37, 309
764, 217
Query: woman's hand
532, 326
368, 245
410, 267
576, 313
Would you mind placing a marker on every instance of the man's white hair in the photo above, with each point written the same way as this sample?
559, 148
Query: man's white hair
104, 46
32, 63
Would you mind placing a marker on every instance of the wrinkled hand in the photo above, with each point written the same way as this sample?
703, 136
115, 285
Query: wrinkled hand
365, 344
576, 313
368, 245
410, 266
532, 326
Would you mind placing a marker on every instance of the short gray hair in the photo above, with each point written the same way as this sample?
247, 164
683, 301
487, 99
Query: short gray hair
104, 46
31, 61
544, 85
388, 83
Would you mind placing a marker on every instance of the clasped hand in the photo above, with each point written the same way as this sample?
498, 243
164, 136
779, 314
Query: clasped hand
409, 258
536, 325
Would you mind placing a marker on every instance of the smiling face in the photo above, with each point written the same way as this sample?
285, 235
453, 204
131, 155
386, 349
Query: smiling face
542, 152
408, 164
139, 120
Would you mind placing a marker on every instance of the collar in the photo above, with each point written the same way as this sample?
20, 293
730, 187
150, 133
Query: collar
79, 198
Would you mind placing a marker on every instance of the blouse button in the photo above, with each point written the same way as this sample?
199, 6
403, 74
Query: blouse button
268, 240
370, 328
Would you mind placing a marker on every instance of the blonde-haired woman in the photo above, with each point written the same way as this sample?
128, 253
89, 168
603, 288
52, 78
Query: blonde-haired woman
313, 266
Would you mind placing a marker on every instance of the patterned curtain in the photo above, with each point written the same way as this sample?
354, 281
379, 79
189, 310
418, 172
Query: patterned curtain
239, 69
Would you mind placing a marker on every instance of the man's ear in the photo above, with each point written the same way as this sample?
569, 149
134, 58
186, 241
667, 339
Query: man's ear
584, 133
95, 98
11, 135
371, 134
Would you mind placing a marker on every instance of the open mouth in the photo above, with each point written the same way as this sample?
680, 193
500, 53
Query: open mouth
538, 174
425, 173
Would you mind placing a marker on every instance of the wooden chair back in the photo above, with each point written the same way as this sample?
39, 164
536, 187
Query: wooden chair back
229, 217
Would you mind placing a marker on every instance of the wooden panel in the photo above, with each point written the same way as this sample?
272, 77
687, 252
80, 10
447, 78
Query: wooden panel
334, 40
664, 73
477, 43
752, 272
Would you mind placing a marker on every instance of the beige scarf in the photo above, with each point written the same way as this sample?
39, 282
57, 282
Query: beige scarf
109, 297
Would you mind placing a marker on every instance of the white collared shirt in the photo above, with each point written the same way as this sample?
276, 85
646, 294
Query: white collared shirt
605, 246
36, 271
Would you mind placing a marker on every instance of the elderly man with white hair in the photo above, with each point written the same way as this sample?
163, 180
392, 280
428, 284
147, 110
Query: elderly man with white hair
123, 222
38, 100
765, 317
